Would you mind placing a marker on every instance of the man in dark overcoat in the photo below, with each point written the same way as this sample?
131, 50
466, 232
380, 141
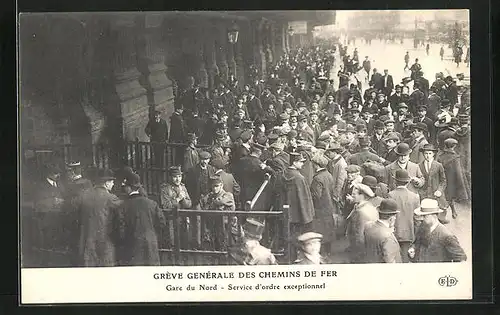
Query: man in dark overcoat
407, 201
47, 217
100, 222
252, 172
143, 221
324, 209
364, 153
435, 179
197, 178
434, 242
157, 131
380, 243
456, 187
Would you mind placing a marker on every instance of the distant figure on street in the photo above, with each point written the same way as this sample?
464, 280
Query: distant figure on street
407, 60
441, 52
427, 49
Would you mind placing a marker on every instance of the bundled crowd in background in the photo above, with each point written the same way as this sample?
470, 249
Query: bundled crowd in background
379, 166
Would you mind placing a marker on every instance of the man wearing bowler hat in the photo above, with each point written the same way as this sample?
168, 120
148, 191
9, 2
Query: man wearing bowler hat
99, 222
406, 201
403, 162
249, 251
309, 249
435, 180
418, 140
434, 242
143, 221
380, 243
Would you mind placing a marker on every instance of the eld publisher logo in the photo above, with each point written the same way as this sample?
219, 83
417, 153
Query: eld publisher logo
447, 281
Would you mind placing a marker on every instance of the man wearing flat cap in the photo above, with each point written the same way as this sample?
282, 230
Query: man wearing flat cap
197, 179
309, 249
380, 243
457, 188
362, 213
99, 222
418, 140
297, 194
249, 251
143, 221
434, 242
407, 201
213, 230
403, 162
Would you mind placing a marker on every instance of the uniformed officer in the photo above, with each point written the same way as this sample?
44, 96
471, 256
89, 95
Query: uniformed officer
249, 251
175, 195
217, 199
309, 251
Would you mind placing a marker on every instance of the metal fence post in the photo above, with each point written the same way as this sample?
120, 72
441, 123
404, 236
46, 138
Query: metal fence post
286, 232
177, 238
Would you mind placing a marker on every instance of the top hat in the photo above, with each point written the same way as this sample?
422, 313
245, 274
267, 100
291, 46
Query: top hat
370, 181
296, 157
388, 206
105, 174
174, 170
204, 155
420, 126
402, 149
428, 147
401, 175
308, 236
428, 206
364, 189
450, 142
253, 229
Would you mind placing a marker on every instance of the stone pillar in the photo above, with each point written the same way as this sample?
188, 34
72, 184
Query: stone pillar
209, 54
152, 65
279, 48
220, 51
258, 37
268, 44
132, 111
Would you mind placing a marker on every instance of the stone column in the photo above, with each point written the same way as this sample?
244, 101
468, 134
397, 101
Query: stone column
152, 65
268, 44
132, 111
258, 37
220, 51
209, 54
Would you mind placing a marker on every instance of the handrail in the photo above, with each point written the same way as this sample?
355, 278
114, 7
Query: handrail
251, 203
225, 212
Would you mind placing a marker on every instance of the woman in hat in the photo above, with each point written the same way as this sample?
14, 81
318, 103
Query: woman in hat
434, 242
357, 219
457, 188
435, 179
381, 245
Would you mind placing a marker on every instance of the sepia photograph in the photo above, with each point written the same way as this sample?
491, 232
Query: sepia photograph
221, 150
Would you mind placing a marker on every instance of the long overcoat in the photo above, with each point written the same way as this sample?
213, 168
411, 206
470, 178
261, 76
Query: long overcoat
322, 196
456, 187
435, 179
381, 246
407, 201
356, 222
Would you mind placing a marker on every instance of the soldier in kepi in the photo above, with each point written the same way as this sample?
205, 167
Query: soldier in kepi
310, 247
175, 195
249, 251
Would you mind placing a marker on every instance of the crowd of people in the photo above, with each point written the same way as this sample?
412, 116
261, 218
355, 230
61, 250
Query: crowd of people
378, 166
